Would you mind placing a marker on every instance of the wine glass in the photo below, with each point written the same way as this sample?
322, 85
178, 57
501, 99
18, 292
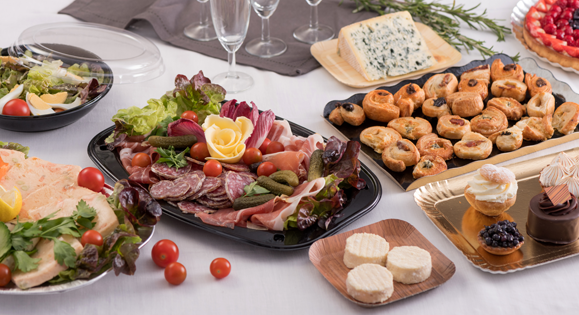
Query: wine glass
231, 20
265, 46
202, 30
314, 32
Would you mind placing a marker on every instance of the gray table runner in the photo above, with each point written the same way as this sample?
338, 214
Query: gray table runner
170, 17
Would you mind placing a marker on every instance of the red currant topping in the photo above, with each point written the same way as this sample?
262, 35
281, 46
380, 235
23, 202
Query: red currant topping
547, 20
560, 34
576, 34
550, 29
574, 4
570, 40
562, 3
555, 11
561, 23
567, 29
566, 15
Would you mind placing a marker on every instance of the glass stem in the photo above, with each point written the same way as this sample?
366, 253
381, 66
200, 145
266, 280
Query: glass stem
203, 13
265, 29
314, 17
231, 60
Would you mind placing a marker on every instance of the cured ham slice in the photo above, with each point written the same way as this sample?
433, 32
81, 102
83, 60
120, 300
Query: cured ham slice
143, 175
279, 130
231, 218
288, 160
274, 220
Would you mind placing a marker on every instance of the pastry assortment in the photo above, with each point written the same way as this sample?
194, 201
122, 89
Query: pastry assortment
375, 268
486, 106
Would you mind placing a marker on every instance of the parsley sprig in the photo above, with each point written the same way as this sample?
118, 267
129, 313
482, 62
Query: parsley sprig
19, 242
171, 158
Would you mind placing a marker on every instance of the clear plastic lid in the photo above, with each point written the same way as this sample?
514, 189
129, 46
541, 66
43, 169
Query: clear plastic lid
124, 56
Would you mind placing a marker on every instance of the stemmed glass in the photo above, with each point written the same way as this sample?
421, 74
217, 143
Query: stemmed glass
265, 46
314, 32
202, 30
231, 20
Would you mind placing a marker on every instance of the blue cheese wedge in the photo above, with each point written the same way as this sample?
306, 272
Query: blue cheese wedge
385, 46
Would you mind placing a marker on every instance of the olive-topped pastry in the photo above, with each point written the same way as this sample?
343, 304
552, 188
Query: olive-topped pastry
348, 112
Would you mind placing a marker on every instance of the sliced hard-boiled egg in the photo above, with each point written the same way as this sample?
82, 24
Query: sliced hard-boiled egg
37, 105
13, 94
72, 78
57, 98
76, 102
8, 59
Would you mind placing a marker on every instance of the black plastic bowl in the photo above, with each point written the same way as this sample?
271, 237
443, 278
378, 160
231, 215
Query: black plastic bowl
67, 117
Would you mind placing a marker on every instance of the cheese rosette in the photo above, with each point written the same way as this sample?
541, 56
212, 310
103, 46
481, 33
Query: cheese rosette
226, 138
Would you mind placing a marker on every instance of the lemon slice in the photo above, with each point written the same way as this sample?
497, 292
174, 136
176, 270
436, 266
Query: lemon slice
10, 204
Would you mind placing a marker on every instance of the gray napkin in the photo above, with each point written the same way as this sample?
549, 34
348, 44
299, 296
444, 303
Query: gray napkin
170, 17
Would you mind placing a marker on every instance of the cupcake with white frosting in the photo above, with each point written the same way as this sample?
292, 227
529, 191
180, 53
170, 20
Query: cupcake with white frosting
492, 191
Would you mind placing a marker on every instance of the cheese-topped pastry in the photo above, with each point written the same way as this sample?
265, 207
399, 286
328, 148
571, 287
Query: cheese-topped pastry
384, 46
370, 283
365, 248
409, 264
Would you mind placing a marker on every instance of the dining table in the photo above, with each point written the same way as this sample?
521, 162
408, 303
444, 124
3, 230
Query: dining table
264, 281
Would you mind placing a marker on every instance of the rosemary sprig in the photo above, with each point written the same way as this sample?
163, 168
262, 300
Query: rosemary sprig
444, 20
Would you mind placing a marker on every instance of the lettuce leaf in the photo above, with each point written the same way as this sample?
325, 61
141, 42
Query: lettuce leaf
139, 121
15, 146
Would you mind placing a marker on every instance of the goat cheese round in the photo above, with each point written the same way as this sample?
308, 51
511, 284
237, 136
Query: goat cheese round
370, 283
365, 248
409, 264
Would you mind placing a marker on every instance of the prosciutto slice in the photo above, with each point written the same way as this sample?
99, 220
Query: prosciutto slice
274, 220
279, 130
288, 160
143, 175
231, 218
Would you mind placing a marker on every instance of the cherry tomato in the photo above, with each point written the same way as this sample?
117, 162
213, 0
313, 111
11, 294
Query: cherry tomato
141, 159
175, 273
220, 268
252, 155
164, 253
199, 151
92, 237
266, 169
5, 275
263, 147
189, 114
274, 147
212, 168
16, 107
91, 178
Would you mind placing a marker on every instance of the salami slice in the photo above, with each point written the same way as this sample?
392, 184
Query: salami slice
248, 174
214, 204
195, 180
234, 184
167, 172
239, 167
219, 198
168, 189
194, 161
210, 184
193, 207
217, 192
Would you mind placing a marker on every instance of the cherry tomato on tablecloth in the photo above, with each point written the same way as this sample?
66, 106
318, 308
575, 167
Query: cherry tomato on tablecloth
252, 155
274, 147
199, 151
91, 237
220, 268
263, 147
164, 253
212, 168
141, 159
189, 114
175, 273
5, 275
16, 107
91, 178
266, 169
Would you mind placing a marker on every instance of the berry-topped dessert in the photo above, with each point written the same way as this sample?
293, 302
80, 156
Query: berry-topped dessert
501, 238
552, 31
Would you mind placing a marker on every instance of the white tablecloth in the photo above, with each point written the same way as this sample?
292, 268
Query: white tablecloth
264, 281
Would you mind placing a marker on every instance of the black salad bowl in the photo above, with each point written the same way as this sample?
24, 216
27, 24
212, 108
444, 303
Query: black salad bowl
67, 117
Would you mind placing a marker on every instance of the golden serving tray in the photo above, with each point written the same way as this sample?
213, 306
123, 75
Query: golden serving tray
445, 205
326, 53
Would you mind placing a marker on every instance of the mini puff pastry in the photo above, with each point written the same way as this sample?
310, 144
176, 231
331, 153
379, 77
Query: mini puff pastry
509, 106
429, 165
541, 104
399, 155
352, 114
509, 88
465, 104
410, 127
379, 106
431, 144
482, 72
473, 146
452, 127
379, 137
409, 98
475, 85
566, 118
440, 85
509, 139
500, 71
435, 107
490, 121
536, 128
537, 85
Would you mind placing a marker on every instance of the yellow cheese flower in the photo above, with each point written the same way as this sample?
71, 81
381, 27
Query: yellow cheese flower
226, 138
